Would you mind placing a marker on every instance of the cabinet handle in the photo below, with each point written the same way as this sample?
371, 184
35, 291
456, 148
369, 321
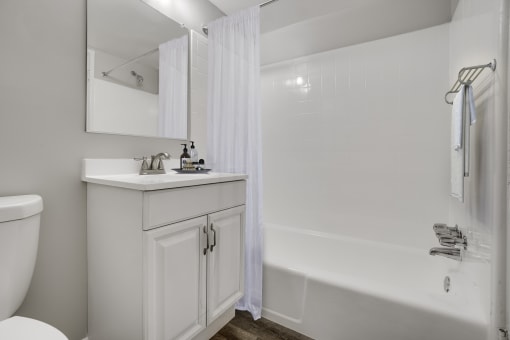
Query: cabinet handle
214, 237
207, 240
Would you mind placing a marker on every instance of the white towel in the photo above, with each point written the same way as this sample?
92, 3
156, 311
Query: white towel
460, 139
457, 121
468, 96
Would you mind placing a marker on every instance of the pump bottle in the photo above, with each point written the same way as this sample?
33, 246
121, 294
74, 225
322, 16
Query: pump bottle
185, 157
193, 153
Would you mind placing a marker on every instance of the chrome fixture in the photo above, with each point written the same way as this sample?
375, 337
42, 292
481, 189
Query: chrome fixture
130, 61
139, 78
451, 253
467, 76
446, 284
157, 161
442, 229
449, 237
157, 165
205, 29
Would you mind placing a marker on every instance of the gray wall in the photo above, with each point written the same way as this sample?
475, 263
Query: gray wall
42, 142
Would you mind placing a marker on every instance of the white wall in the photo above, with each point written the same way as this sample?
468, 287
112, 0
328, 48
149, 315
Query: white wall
360, 147
110, 103
475, 39
42, 142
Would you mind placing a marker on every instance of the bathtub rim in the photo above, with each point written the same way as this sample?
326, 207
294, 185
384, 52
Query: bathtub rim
355, 285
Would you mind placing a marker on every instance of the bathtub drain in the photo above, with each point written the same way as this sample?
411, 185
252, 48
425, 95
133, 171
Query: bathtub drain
446, 284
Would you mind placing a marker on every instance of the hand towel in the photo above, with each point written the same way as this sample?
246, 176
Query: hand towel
463, 116
470, 112
456, 151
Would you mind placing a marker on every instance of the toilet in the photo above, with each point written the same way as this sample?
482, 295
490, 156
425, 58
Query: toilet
19, 239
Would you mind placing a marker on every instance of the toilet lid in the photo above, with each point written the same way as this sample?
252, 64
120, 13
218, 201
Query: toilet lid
21, 328
18, 207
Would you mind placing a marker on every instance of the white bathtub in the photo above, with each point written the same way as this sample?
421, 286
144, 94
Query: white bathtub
337, 288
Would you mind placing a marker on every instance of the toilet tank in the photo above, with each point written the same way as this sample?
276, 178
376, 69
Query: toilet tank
19, 238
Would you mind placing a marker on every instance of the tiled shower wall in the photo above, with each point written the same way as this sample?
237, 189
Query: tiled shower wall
356, 140
474, 40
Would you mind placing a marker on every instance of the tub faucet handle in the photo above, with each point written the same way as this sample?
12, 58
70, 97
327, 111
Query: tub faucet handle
442, 229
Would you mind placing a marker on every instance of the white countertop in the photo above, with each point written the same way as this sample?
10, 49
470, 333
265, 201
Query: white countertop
123, 173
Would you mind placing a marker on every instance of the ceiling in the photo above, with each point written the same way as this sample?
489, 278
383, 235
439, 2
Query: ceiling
128, 28
293, 28
290, 28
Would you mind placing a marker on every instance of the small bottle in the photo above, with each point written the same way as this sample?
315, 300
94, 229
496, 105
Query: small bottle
194, 153
185, 157
201, 165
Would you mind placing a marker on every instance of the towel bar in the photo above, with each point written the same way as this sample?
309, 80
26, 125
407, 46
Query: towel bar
467, 76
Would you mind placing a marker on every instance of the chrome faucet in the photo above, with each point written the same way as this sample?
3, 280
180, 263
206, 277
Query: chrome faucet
449, 237
451, 253
157, 161
442, 229
156, 166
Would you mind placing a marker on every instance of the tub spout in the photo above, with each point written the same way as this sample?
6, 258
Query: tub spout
451, 253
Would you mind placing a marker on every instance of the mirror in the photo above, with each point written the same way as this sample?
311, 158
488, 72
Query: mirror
137, 70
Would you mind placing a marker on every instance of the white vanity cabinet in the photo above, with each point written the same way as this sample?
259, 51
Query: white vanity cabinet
195, 265
164, 264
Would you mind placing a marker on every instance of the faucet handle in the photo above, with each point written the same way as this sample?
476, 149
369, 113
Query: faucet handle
145, 165
442, 229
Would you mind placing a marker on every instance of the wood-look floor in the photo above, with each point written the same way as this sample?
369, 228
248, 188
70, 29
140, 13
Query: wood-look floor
242, 327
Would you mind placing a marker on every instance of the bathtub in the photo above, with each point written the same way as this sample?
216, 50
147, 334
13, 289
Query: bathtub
338, 288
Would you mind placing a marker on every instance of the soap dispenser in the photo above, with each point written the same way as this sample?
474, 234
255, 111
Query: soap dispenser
185, 157
193, 153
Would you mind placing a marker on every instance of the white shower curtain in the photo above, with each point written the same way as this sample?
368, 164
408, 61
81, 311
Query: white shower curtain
233, 135
173, 88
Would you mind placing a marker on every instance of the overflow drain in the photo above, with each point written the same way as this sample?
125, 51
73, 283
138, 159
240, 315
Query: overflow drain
446, 284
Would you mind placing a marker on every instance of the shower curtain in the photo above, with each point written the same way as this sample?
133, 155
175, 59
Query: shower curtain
173, 88
234, 136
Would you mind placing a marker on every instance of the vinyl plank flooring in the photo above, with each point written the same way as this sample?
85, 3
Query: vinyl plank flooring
243, 327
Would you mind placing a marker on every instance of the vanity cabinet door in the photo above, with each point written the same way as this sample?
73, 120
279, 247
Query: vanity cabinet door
225, 261
175, 281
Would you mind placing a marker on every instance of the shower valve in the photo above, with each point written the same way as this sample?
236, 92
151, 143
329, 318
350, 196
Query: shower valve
449, 237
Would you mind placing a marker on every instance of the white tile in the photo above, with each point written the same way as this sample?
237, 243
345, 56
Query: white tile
367, 126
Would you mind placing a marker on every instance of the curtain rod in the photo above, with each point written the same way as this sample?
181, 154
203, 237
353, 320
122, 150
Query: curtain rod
206, 30
266, 3
130, 61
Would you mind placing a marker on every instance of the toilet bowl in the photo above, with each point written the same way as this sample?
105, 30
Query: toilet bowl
19, 239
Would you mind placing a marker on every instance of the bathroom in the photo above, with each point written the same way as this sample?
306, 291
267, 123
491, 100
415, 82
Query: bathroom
376, 143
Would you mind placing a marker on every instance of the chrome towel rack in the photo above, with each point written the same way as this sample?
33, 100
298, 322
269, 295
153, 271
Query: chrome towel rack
467, 76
